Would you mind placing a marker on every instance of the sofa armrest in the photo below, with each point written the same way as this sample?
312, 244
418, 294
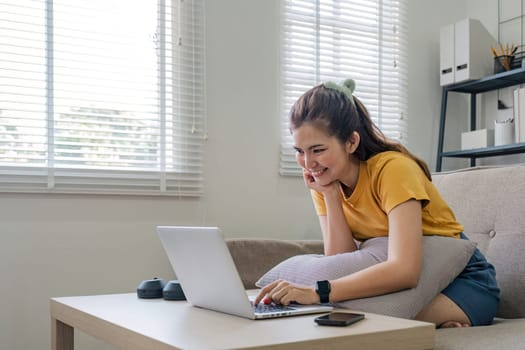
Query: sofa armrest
254, 257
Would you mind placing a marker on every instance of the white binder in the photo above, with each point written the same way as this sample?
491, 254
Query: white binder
465, 52
446, 55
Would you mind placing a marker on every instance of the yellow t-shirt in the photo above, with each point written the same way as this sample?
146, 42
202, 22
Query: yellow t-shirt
385, 181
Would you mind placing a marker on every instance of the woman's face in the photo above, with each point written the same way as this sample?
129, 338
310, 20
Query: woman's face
323, 156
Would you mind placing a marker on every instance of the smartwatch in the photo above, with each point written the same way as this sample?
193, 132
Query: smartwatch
323, 289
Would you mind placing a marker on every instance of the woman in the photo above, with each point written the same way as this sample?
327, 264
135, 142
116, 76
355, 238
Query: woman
365, 186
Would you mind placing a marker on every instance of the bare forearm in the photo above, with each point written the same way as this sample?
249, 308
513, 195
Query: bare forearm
403, 267
337, 235
379, 279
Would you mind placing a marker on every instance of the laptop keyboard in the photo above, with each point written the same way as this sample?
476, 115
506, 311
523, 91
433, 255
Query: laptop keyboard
264, 308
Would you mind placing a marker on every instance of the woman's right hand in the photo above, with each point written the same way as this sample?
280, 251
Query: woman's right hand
331, 188
309, 179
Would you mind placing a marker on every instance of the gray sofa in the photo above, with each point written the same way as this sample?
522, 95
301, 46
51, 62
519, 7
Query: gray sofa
490, 203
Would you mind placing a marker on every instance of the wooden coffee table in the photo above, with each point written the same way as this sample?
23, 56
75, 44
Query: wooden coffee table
128, 322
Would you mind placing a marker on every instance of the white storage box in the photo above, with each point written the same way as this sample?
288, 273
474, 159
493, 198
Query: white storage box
477, 139
465, 51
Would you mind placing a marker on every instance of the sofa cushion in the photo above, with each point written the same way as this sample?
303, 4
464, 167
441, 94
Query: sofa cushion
443, 259
489, 202
506, 253
308, 268
502, 334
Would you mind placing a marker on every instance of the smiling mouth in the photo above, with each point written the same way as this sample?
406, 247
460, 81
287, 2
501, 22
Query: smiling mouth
317, 173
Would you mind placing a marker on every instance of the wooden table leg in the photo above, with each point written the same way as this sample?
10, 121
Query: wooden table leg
62, 335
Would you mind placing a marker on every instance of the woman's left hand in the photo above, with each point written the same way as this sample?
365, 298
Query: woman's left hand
284, 292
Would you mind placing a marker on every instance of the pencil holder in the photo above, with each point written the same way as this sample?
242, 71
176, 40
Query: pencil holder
517, 60
502, 63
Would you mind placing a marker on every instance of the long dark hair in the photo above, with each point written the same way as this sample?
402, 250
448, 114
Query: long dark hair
340, 115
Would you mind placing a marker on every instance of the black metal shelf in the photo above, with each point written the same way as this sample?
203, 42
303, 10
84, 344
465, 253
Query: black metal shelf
487, 151
491, 82
473, 87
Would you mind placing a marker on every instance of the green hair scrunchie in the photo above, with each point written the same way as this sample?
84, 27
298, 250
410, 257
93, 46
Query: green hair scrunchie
347, 87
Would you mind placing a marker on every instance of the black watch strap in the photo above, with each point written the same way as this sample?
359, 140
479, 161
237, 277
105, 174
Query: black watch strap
323, 289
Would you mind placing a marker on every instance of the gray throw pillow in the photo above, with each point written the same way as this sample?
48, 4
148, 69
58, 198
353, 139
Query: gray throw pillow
443, 259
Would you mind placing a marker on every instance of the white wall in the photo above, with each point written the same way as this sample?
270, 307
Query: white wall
426, 17
57, 245
244, 193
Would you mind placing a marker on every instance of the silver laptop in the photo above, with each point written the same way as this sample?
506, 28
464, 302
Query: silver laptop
208, 276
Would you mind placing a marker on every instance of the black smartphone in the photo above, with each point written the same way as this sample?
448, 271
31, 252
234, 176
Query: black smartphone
339, 319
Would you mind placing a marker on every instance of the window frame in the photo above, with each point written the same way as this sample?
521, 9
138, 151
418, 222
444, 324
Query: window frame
386, 99
185, 57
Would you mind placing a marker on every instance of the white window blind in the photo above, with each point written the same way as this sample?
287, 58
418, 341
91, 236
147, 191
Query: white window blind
364, 40
102, 96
